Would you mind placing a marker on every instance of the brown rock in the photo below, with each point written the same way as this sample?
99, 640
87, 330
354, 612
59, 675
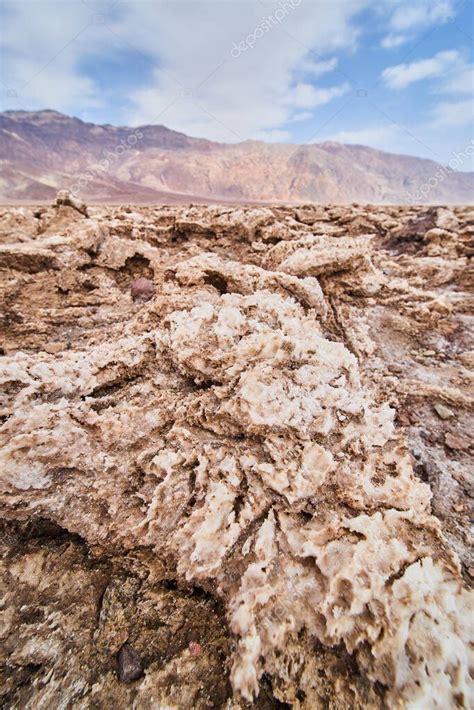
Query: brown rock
417, 227
458, 443
403, 418
67, 199
142, 289
129, 664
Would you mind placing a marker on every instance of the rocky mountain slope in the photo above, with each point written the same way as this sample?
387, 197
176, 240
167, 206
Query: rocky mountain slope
44, 151
235, 454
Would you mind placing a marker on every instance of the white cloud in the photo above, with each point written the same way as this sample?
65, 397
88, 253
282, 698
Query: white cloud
196, 84
256, 91
392, 41
301, 116
402, 75
318, 68
382, 137
41, 51
454, 113
460, 80
307, 96
409, 17
192, 82
452, 75
422, 13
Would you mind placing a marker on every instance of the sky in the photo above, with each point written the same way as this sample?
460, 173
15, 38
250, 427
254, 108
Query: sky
391, 74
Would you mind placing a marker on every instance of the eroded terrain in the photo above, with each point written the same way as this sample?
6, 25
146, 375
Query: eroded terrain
236, 456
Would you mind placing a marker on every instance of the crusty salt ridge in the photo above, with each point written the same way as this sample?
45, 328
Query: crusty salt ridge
223, 427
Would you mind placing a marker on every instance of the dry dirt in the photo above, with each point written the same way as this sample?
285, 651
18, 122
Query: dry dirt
238, 441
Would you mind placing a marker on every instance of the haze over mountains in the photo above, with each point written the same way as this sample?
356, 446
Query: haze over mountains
44, 151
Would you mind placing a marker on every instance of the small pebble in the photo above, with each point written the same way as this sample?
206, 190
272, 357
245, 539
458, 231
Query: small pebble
129, 664
195, 648
442, 411
142, 289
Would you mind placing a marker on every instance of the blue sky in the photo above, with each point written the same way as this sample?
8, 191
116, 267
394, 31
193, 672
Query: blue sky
393, 74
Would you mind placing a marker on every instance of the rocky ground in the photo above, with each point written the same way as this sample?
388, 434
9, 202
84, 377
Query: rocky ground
235, 464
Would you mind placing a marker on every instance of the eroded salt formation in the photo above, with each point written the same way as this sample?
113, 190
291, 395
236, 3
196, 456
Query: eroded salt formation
224, 428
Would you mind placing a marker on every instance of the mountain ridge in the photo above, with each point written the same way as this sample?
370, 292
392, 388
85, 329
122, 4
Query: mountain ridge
43, 151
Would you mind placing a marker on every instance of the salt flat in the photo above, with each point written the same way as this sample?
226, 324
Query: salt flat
235, 456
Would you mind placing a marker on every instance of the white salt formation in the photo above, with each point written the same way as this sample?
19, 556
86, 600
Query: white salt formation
219, 427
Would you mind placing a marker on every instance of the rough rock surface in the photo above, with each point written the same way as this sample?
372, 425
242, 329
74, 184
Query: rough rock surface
251, 488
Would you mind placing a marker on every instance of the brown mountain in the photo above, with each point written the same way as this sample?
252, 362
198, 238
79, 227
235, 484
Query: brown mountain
44, 151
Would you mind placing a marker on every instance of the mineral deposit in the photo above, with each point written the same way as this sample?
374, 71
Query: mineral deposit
235, 456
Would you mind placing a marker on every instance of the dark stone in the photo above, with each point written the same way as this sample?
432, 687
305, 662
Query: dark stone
129, 664
142, 289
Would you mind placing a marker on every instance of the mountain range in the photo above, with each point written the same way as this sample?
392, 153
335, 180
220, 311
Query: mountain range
44, 151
